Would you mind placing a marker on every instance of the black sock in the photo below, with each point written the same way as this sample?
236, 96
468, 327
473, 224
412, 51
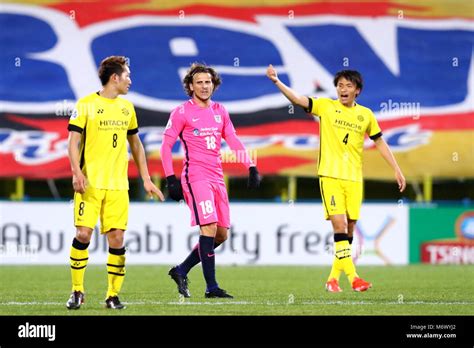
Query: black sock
206, 252
79, 245
192, 260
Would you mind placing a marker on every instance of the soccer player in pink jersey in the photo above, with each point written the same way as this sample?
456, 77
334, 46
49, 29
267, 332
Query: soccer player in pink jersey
201, 123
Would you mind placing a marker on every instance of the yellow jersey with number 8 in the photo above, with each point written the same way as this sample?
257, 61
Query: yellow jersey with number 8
341, 137
104, 124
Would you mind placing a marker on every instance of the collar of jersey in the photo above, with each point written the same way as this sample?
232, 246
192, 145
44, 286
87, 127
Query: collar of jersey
345, 107
194, 104
107, 100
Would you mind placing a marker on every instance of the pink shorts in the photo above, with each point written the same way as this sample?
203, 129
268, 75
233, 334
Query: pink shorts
208, 203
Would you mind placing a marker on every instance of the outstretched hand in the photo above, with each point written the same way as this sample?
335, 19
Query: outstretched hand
272, 73
151, 190
401, 181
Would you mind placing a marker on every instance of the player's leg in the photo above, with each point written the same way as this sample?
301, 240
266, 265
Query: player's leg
354, 193
200, 193
221, 202
86, 213
334, 210
208, 261
193, 258
79, 255
350, 229
357, 283
221, 235
342, 247
114, 218
207, 255
179, 272
200, 200
115, 268
223, 212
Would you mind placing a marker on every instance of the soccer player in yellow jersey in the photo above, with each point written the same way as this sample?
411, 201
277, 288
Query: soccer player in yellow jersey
98, 132
343, 125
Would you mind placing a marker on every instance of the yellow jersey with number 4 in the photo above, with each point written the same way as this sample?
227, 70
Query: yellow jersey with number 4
104, 124
341, 137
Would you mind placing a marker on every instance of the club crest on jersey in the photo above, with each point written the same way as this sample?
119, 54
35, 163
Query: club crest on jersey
218, 118
196, 132
74, 114
360, 118
125, 111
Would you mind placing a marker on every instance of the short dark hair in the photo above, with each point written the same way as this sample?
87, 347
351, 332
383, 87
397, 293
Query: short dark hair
350, 75
197, 68
111, 65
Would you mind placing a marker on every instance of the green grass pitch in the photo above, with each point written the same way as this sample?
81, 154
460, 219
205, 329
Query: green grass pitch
258, 290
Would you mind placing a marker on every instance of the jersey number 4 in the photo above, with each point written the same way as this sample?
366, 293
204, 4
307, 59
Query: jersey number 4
346, 138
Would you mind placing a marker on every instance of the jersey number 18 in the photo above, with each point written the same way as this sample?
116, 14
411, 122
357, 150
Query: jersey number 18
211, 142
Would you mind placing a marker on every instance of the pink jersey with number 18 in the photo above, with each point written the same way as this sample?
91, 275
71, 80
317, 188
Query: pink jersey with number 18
201, 130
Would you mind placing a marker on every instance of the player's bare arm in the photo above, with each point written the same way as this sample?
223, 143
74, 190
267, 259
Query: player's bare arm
387, 154
139, 157
78, 178
289, 93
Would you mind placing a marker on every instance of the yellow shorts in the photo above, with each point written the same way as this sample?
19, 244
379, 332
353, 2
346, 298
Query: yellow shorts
341, 197
110, 205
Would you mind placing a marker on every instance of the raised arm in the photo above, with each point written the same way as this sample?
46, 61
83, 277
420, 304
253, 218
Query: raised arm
387, 154
138, 153
289, 93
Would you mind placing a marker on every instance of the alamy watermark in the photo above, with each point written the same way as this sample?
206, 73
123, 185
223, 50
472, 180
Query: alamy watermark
239, 156
394, 108
70, 109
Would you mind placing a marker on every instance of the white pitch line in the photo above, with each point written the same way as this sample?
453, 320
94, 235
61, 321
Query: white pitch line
246, 303
211, 303
384, 303
15, 303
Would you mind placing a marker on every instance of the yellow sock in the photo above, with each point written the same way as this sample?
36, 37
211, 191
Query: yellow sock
115, 270
78, 259
335, 270
349, 269
343, 253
